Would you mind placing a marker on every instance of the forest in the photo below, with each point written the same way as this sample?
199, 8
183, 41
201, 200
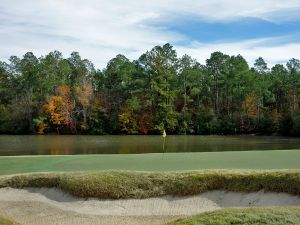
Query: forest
158, 91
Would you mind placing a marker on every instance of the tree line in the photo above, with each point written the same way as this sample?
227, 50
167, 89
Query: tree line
158, 91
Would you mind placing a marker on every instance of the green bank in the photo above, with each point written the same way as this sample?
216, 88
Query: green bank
250, 216
6, 221
279, 159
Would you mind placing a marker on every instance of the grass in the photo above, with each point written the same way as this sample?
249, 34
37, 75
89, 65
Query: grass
250, 216
6, 221
286, 159
96, 180
116, 185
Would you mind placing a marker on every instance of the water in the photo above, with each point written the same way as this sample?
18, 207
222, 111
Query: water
68, 145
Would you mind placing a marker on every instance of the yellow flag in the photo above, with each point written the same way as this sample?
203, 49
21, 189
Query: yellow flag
164, 134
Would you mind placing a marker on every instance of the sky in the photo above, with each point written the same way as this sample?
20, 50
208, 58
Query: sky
101, 29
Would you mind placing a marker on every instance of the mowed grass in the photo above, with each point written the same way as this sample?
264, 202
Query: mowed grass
126, 184
249, 216
286, 159
6, 221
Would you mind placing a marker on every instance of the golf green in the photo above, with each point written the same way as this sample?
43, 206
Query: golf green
278, 159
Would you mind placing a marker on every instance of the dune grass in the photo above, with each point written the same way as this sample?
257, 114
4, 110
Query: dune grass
116, 185
249, 216
6, 221
285, 159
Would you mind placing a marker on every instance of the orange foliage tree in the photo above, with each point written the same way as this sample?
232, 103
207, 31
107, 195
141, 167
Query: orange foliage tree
146, 122
85, 96
249, 106
128, 121
60, 109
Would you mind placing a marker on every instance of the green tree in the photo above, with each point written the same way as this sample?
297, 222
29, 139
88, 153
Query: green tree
161, 65
293, 66
280, 88
117, 82
218, 66
262, 81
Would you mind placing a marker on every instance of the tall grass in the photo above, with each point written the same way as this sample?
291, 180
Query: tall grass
125, 184
6, 221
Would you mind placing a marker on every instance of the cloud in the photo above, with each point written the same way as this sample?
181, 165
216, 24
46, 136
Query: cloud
101, 29
250, 49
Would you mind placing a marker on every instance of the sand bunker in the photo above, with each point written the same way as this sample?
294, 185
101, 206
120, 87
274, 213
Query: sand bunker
46, 206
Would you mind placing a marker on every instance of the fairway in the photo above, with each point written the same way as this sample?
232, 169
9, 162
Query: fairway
285, 159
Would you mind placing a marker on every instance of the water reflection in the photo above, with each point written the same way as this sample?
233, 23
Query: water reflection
65, 145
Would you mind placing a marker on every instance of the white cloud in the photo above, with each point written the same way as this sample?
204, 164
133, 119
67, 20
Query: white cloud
250, 50
100, 29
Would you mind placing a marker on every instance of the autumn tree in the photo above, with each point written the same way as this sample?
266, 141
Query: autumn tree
84, 94
60, 109
129, 117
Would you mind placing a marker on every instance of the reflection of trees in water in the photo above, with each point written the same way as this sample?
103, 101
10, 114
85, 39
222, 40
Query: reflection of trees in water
55, 151
59, 151
60, 147
124, 149
65, 145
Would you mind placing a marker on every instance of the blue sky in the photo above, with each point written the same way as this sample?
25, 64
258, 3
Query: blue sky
100, 29
242, 29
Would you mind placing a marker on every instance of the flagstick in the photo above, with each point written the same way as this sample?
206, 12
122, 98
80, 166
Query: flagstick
164, 142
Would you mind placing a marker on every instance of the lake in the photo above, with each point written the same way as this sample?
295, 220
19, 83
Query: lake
69, 145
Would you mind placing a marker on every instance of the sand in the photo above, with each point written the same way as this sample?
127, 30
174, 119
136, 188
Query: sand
49, 206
